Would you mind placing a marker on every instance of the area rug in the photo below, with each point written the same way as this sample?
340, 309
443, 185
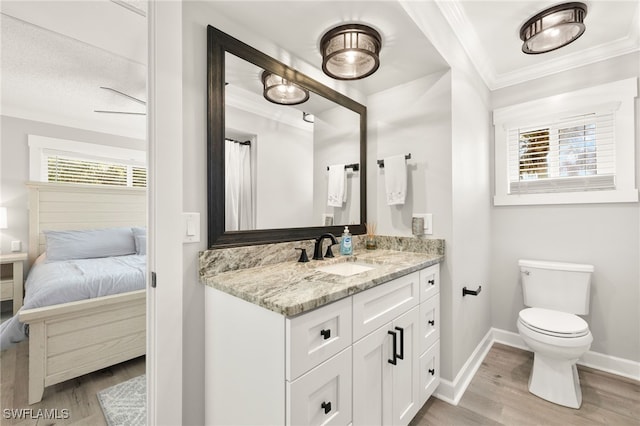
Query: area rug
124, 404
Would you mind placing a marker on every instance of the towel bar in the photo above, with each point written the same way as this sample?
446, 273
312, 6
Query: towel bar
381, 162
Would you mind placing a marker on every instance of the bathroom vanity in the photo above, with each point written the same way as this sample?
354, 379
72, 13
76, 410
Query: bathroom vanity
349, 340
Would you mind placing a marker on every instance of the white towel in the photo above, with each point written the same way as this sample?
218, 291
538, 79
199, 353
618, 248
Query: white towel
395, 177
337, 187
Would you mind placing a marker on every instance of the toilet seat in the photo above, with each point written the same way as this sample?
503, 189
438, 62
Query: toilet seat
553, 323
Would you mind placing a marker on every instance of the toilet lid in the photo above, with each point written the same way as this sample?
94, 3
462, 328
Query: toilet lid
554, 323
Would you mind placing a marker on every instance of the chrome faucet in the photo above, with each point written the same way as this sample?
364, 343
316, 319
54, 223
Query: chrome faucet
317, 249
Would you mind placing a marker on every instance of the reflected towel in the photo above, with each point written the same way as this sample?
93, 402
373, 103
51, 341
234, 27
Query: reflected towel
395, 177
337, 186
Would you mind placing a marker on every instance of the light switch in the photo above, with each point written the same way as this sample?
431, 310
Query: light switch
16, 246
191, 227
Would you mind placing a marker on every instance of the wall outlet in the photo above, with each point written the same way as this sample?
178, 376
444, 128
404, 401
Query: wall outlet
16, 245
428, 222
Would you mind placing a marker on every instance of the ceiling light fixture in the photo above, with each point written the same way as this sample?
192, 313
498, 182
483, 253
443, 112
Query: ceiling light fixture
350, 52
553, 28
281, 91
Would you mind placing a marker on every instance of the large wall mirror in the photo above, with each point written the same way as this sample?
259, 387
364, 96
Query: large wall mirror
275, 169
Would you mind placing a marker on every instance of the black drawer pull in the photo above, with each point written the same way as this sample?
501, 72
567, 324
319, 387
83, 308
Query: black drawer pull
432, 322
394, 361
326, 333
432, 282
326, 406
401, 354
432, 371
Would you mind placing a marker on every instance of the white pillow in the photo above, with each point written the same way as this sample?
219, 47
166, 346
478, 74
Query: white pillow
140, 238
91, 243
141, 244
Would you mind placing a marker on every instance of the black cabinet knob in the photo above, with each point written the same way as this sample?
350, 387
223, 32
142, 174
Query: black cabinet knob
326, 406
432, 322
432, 371
432, 282
326, 333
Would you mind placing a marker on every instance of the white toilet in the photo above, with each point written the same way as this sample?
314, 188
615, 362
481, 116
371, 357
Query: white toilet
556, 294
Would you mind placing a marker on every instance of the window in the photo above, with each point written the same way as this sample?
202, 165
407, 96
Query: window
573, 154
576, 147
57, 160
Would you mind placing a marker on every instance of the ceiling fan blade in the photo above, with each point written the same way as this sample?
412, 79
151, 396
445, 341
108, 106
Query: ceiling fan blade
140, 101
119, 112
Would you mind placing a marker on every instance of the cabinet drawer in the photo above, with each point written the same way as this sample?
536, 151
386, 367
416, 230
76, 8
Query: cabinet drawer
323, 395
429, 372
429, 322
377, 306
429, 282
6, 289
316, 336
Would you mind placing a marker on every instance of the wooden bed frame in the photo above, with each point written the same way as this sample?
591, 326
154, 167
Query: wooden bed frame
76, 338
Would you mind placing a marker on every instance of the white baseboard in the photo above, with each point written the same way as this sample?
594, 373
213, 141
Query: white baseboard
451, 392
610, 364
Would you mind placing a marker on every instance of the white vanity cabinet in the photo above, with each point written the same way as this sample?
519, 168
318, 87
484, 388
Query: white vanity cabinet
327, 366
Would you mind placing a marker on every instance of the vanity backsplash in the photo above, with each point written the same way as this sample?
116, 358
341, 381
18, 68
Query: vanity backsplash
229, 259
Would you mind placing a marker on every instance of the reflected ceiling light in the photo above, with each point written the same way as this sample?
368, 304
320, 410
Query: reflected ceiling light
281, 91
309, 118
553, 28
350, 52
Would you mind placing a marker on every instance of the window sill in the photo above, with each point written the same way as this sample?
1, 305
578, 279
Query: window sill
593, 197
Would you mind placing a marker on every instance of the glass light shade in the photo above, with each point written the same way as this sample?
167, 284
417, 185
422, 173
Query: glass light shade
553, 28
350, 52
3, 218
281, 91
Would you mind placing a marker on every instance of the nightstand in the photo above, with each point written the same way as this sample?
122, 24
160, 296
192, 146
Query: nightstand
11, 278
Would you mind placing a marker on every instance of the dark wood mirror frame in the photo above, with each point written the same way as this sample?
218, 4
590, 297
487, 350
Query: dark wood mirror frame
218, 43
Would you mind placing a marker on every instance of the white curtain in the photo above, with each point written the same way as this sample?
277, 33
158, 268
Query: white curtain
238, 188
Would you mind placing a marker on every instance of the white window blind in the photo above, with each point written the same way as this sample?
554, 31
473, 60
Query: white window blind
570, 154
63, 168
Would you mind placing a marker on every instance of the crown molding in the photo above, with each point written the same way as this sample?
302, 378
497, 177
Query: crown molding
462, 27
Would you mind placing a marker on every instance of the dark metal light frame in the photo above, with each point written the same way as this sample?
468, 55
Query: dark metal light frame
555, 27
291, 95
350, 40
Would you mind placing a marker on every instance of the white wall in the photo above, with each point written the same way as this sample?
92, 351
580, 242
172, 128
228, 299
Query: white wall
14, 167
284, 158
605, 235
472, 232
337, 140
416, 118
465, 321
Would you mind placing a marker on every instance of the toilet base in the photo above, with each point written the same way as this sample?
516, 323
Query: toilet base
555, 380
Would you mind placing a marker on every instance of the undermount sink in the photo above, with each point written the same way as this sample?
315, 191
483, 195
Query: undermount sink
345, 269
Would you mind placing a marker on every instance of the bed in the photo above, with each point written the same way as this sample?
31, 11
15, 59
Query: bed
71, 339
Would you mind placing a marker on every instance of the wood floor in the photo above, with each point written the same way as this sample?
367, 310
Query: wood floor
78, 396
497, 395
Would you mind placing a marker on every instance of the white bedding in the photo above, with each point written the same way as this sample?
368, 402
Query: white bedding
52, 283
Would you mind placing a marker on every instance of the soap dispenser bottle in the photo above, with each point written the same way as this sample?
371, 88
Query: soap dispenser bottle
346, 248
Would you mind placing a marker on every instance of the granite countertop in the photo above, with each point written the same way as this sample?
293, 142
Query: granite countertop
291, 288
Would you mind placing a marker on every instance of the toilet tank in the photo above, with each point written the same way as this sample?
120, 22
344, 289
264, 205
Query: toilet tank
555, 285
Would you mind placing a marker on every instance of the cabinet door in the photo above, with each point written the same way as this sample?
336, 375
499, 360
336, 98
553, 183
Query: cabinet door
372, 383
429, 282
429, 372
380, 305
323, 395
406, 373
429, 322
315, 336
